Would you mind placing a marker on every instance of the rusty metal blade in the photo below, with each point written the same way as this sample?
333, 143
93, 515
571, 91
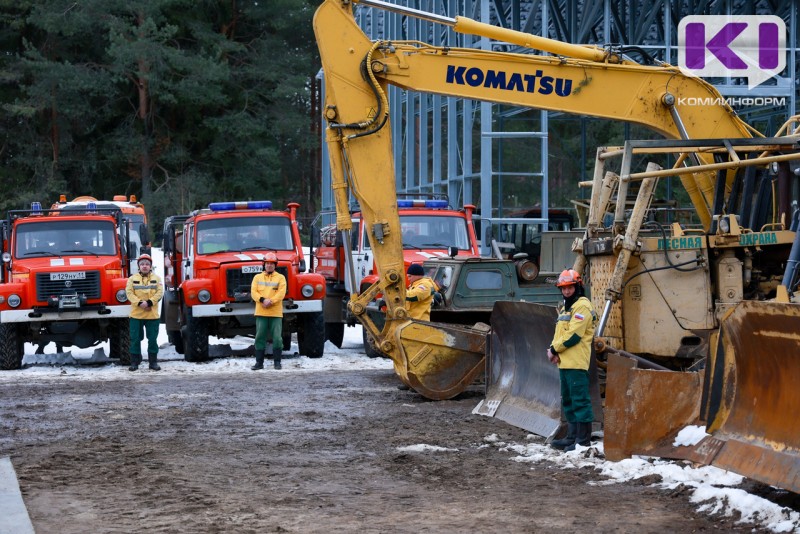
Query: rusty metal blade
522, 386
752, 396
440, 360
645, 409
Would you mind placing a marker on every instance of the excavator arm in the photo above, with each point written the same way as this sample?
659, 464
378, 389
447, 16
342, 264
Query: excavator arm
435, 359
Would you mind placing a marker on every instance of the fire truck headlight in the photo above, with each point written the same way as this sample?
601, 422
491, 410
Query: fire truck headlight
121, 296
14, 301
307, 290
204, 295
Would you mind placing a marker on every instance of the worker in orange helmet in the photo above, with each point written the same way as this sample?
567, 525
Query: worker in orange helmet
571, 350
144, 290
267, 290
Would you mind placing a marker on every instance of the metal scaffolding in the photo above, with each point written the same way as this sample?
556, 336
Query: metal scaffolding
475, 151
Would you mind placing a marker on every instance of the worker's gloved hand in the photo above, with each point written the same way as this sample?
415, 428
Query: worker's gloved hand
438, 299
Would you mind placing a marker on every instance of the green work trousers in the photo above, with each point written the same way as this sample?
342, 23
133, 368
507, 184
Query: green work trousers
150, 327
266, 328
575, 398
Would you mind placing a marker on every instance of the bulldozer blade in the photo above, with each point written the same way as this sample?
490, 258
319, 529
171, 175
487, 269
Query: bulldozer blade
440, 360
751, 398
645, 409
522, 386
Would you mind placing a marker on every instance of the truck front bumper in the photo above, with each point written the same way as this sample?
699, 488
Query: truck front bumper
46, 315
248, 308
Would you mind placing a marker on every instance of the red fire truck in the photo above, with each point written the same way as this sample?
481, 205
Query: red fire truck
431, 229
63, 280
210, 259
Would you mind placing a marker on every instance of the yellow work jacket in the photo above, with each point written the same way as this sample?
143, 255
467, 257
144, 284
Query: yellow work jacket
144, 288
574, 335
419, 298
268, 286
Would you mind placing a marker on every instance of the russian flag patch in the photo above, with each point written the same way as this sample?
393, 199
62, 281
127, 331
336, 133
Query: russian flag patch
579, 317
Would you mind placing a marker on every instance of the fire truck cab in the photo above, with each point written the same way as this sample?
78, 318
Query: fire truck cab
430, 228
62, 280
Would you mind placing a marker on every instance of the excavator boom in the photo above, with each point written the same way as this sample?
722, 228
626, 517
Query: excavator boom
591, 82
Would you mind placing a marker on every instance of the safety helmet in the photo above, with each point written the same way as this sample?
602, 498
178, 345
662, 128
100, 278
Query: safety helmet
144, 257
270, 257
568, 277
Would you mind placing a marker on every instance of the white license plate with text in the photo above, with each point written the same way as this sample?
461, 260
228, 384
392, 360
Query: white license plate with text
78, 275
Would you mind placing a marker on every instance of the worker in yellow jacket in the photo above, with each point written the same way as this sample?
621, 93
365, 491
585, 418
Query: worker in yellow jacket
144, 290
420, 293
267, 291
571, 350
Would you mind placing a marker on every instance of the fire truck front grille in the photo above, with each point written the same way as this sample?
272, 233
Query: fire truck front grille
238, 283
89, 286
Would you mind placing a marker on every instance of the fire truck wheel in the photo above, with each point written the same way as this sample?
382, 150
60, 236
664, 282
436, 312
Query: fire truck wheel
12, 347
311, 337
176, 339
369, 346
119, 341
334, 332
195, 339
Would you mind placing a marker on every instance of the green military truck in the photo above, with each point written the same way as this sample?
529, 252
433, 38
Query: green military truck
469, 287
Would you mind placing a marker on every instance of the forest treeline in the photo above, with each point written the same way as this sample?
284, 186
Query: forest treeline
179, 102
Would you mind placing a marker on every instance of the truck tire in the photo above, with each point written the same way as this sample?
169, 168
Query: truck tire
369, 346
334, 332
311, 337
119, 341
12, 347
176, 339
195, 339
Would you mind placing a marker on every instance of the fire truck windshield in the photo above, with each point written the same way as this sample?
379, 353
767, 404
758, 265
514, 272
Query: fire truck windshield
65, 238
430, 231
238, 234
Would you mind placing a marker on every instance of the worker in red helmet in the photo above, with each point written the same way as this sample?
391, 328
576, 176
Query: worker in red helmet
144, 290
267, 290
571, 350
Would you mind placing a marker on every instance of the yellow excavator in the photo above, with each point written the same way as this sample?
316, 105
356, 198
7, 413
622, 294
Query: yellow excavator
438, 360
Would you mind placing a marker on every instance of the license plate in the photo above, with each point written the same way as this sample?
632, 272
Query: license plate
79, 275
252, 268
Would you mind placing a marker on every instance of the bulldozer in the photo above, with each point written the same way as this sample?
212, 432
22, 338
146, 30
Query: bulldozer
440, 360
698, 327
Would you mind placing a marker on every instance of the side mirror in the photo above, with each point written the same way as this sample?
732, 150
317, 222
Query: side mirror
144, 234
315, 237
452, 251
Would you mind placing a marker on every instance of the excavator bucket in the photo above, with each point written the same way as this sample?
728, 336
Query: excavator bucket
439, 360
522, 386
752, 398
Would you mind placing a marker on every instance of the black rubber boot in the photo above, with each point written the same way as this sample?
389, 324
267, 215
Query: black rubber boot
276, 358
569, 439
136, 359
583, 436
151, 359
259, 360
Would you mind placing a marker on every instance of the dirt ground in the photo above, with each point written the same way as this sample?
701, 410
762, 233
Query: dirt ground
297, 452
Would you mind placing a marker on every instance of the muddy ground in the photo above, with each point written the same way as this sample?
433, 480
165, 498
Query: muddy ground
297, 452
